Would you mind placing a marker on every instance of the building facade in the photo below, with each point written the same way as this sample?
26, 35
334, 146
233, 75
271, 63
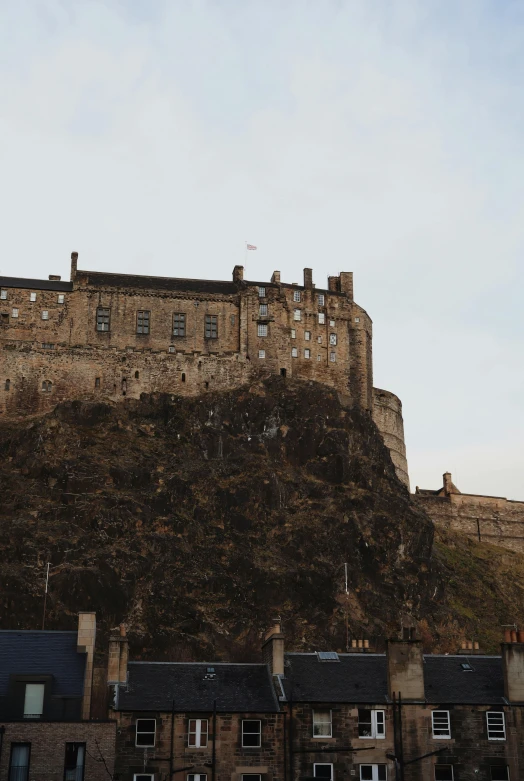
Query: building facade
104, 336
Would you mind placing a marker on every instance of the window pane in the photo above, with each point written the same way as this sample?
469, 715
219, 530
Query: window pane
261, 292
74, 761
322, 723
496, 729
321, 318
296, 295
381, 772
34, 692
364, 723
321, 300
296, 314
441, 723
251, 733
263, 310
323, 771
366, 773
19, 765
145, 732
443, 772
500, 773
142, 322
102, 319
262, 330
179, 324
211, 326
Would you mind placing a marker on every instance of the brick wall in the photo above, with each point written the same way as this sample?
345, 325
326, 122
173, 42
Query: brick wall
48, 745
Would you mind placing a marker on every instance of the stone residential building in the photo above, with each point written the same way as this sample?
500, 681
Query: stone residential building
104, 336
46, 729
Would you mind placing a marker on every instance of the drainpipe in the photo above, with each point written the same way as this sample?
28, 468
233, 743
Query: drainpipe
291, 758
285, 745
171, 753
214, 755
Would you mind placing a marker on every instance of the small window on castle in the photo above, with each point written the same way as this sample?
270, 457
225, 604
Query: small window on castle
3, 295
7, 386
296, 314
179, 324
171, 349
233, 318
14, 313
183, 377
143, 318
102, 318
319, 339
319, 357
48, 346
294, 352
296, 295
137, 375
47, 386
357, 319
211, 327
262, 310
333, 339
261, 292
32, 297
61, 298
45, 314
332, 357
261, 353
321, 299
97, 382
262, 329
293, 333
307, 335
307, 353
321, 318
332, 323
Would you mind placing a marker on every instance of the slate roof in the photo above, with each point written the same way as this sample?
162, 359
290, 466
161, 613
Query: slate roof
362, 678
237, 688
102, 279
43, 653
36, 284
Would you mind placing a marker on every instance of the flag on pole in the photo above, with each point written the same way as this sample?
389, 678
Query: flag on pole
250, 246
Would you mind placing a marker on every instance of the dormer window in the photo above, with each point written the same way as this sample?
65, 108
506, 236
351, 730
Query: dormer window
34, 700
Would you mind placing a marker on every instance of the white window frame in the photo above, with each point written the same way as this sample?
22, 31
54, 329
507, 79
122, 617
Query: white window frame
319, 357
294, 352
332, 323
440, 737
321, 299
3, 294
293, 333
45, 314
321, 318
252, 733
375, 732
307, 336
446, 764
374, 770
296, 296
196, 777
333, 339
297, 315
15, 312
34, 692
263, 310
357, 319
61, 298
322, 764
198, 733
307, 353
497, 728
261, 353
32, 297
317, 722
332, 357
144, 732
261, 292
262, 329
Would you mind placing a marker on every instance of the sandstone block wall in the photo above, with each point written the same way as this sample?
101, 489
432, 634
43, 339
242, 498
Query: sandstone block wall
387, 414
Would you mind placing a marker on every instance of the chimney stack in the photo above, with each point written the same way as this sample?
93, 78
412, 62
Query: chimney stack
334, 284
238, 274
513, 665
405, 665
308, 278
118, 657
275, 278
273, 648
74, 265
85, 644
346, 283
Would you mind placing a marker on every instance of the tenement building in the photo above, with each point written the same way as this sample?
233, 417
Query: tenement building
105, 336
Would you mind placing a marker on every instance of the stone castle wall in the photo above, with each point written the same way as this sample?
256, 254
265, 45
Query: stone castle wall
387, 414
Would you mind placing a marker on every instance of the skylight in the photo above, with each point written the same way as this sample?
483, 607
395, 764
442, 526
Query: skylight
327, 656
466, 667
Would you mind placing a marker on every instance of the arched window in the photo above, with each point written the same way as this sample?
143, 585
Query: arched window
47, 386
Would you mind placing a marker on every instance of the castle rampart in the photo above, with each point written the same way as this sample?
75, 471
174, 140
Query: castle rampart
387, 414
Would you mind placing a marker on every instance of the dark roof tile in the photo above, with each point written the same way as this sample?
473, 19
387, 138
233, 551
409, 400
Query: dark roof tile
43, 653
36, 284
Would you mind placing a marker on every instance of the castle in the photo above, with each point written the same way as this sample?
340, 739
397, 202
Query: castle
104, 336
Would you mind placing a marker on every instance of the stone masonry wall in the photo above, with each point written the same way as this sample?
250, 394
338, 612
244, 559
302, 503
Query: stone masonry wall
387, 414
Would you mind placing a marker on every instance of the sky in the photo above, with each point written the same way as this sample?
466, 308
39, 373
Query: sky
384, 138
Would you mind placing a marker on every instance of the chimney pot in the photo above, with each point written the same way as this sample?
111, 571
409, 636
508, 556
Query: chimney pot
353, 644
464, 645
513, 636
366, 644
122, 630
74, 265
476, 646
507, 636
520, 636
470, 645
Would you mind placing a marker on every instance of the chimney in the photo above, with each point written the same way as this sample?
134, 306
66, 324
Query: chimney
346, 283
308, 278
334, 284
85, 644
54, 278
447, 482
405, 663
275, 278
273, 648
118, 657
74, 264
238, 274
513, 669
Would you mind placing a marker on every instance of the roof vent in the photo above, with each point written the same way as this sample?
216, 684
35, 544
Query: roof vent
327, 656
210, 674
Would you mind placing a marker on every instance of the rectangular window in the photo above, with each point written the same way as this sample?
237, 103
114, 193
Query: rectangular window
143, 777
371, 723
332, 357
145, 733
61, 298
307, 353
251, 777
19, 761
142, 321
440, 724
74, 761
34, 695
251, 733
232, 319
102, 318
296, 314
321, 299
296, 296
496, 726
443, 772
373, 773
322, 724
3, 295
307, 335
48, 346
179, 324
261, 353
357, 319
211, 327
293, 333
319, 357
333, 339
14, 313
196, 777
294, 352
45, 314
319, 339
261, 292
262, 310
321, 318
332, 323
499, 773
197, 735
262, 329
323, 770
32, 297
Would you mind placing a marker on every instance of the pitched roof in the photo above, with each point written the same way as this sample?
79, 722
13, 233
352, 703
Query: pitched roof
36, 284
237, 688
362, 678
100, 279
43, 653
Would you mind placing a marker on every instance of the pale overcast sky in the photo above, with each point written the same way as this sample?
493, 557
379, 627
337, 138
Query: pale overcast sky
383, 137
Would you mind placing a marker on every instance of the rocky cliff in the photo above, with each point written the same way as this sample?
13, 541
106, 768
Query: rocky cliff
196, 521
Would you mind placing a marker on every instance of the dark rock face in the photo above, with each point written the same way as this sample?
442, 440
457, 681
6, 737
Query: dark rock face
196, 521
